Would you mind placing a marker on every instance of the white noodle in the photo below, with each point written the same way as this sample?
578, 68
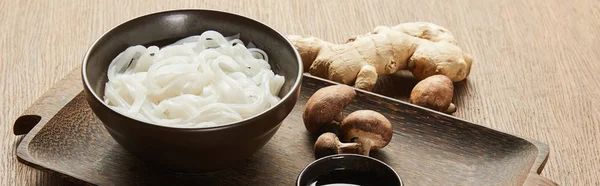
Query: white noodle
199, 81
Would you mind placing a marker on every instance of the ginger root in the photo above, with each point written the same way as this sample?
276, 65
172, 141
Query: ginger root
423, 48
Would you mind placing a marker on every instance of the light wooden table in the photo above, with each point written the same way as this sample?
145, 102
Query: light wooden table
534, 72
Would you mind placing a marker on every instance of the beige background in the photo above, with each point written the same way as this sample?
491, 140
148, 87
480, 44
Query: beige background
534, 73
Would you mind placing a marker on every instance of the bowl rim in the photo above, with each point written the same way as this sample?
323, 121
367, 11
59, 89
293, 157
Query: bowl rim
292, 91
335, 156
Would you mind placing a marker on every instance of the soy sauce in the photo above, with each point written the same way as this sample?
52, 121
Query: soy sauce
350, 178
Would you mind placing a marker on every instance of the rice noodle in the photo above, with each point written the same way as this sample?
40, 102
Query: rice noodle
199, 81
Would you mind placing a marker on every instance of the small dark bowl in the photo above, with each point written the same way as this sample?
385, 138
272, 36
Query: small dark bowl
196, 149
349, 169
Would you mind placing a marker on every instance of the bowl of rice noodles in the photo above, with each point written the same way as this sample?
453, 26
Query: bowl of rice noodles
192, 90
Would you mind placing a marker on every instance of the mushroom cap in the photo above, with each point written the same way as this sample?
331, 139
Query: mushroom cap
434, 92
367, 125
326, 106
326, 144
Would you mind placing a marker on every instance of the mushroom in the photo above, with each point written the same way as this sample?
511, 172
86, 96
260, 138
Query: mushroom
326, 107
434, 92
368, 128
328, 144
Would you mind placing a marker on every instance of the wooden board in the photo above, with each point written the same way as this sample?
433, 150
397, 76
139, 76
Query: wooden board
535, 72
428, 148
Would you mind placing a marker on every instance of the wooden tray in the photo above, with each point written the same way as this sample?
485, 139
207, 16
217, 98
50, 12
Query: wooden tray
428, 148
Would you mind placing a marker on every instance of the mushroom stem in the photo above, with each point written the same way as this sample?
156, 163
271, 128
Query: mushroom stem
451, 109
368, 128
329, 144
365, 146
348, 148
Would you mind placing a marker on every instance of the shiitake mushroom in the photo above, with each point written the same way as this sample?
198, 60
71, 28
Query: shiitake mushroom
362, 130
326, 106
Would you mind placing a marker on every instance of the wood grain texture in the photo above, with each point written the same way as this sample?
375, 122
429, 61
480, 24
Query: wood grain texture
534, 72
537, 180
427, 148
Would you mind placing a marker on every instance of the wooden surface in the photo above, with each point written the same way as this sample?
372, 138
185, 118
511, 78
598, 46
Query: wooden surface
469, 155
533, 74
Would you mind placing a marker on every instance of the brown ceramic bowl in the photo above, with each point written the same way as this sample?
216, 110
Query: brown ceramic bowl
195, 149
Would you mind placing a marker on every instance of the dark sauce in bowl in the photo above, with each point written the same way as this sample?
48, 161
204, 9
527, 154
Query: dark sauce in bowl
348, 178
348, 170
